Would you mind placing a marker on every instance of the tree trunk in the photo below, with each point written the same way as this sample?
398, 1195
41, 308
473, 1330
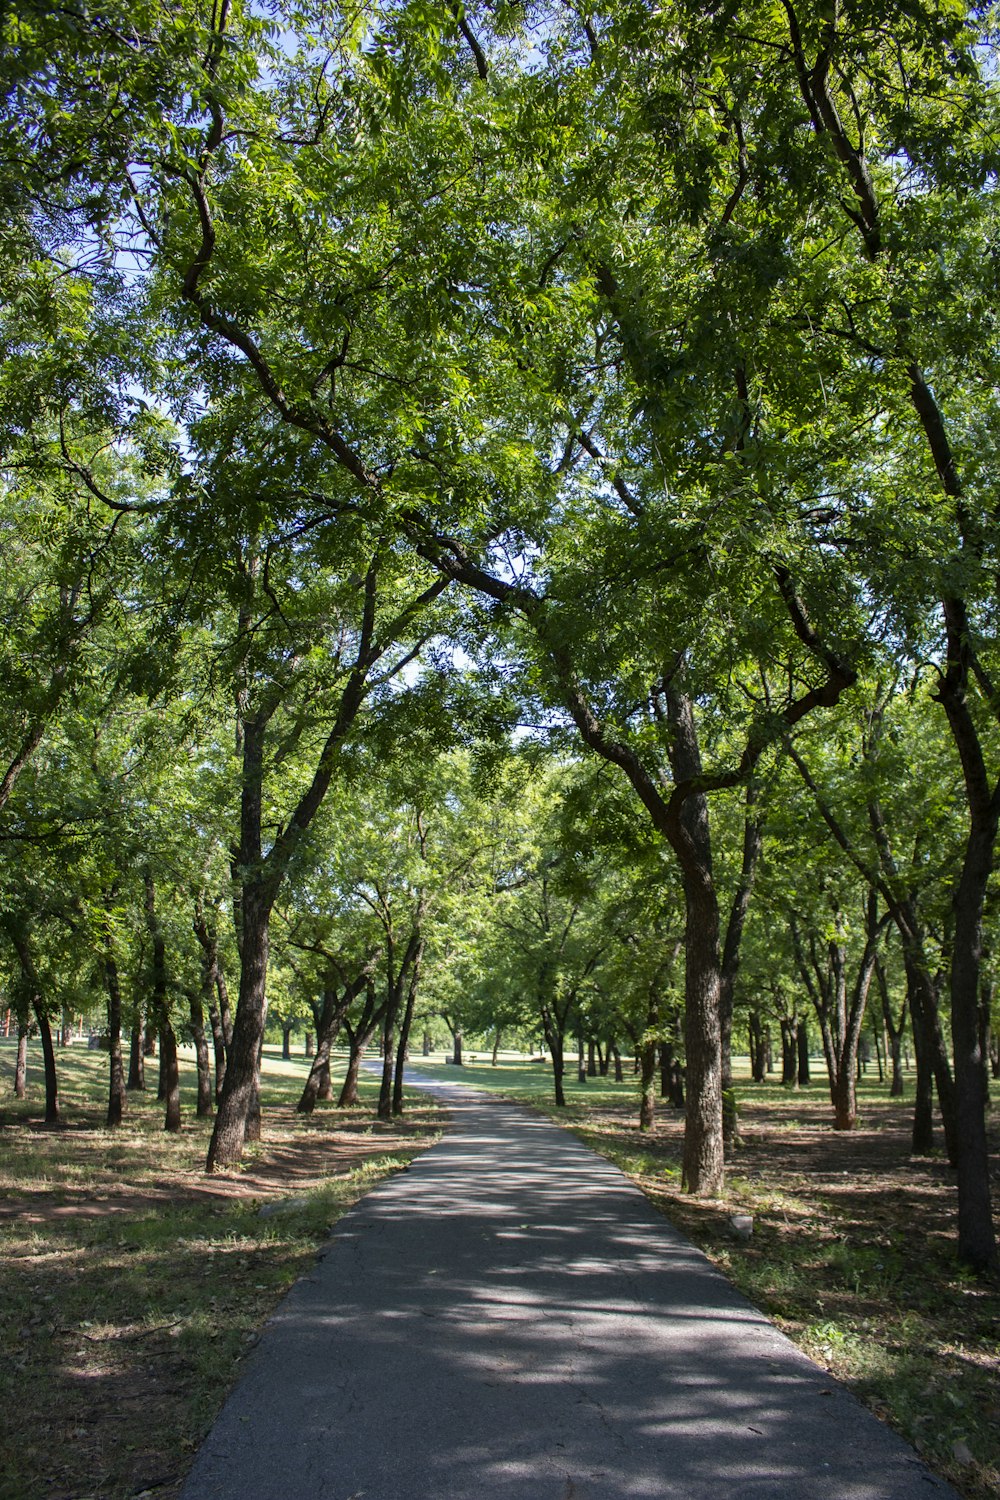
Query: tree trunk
666, 1054
753, 838
239, 1089
802, 1049
976, 1239
704, 1149
555, 1046
171, 1077
616, 1054
922, 1138
218, 1048
206, 1103
49, 1059
253, 1126
758, 1048
931, 1056
349, 1091
789, 1057
21, 1064
136, 1057
648, 1056
413, 962
286, 1043
116, 1090
328, 1023
169, 1090
388, 1060
215, 996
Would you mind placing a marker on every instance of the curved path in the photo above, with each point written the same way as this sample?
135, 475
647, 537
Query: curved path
510, 1318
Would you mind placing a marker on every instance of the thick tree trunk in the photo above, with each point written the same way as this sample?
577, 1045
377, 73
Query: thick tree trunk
286, 1043
704, 1152
171, 1078
49, 1059
239, 1091
976, 1238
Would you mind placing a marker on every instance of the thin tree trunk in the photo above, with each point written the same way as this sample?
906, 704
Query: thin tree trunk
21, 1064
753, 838
413, 962
116, 1089
328, 1023
136, 1057
206, 1103
802, 1049
349, 1098
169, 1091
171, 1077
648, 1054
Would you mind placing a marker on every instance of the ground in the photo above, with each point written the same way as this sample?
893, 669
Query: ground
131, 1284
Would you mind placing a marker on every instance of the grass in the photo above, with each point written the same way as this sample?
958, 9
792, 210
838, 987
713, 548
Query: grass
852, 1251
131, 1285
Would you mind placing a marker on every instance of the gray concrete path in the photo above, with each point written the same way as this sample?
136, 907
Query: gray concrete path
510, 1318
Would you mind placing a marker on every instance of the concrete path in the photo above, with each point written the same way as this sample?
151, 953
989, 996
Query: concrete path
510, 1318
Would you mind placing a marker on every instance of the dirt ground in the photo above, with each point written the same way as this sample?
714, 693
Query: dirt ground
131, 1285
853, 1253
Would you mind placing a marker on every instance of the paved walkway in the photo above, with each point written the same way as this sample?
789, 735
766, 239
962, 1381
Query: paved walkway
510, 1318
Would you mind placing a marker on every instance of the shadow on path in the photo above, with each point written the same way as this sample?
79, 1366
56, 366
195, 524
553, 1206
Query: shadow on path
510, 1318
